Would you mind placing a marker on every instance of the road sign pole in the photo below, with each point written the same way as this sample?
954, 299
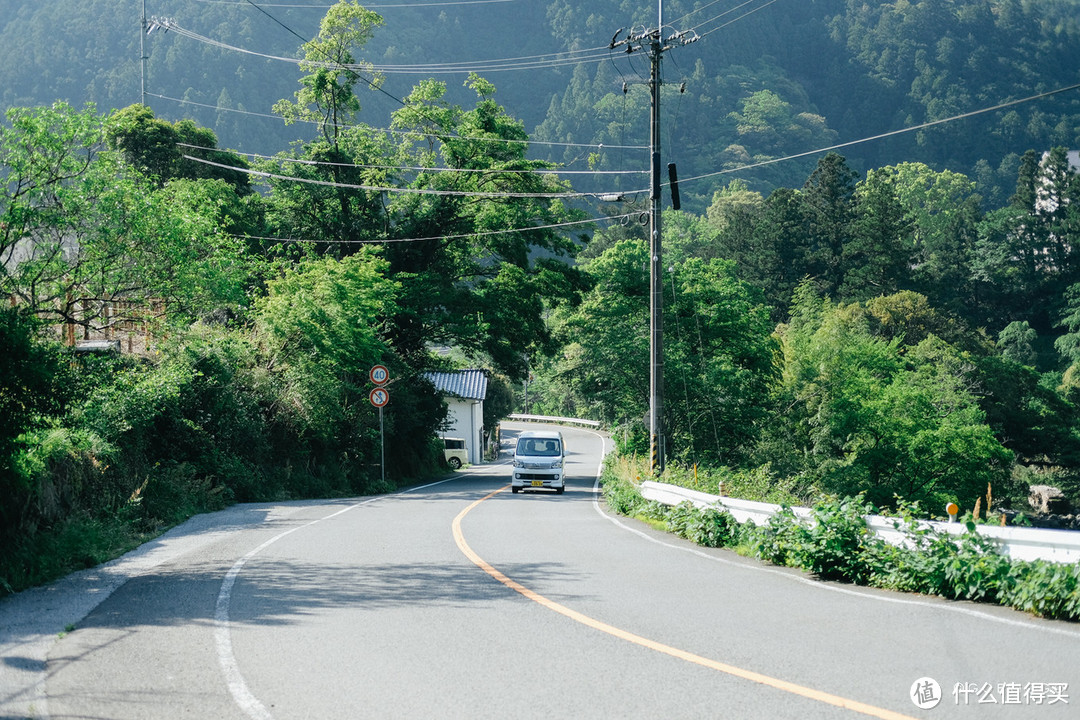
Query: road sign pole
379, 397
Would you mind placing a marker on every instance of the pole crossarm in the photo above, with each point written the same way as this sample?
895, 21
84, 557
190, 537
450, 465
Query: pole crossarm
651, 39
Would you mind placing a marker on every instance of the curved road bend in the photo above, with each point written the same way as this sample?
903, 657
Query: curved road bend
461, 600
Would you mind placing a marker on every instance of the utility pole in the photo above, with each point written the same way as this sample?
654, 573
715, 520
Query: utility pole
654, 42
142, 55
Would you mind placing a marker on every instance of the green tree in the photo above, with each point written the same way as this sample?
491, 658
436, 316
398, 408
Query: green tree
602, 364
484, 257
166, 151
876, 418
88, 243
472, 237
944, 211
1068, 345
321, 328
1028, 412
720, 364
327, 97
1017, 343
1025, 257
878, 256
331, 197
719, 357
780, 256
828, 196
30, 394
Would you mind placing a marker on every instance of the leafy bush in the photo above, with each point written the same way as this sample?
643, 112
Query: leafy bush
711, 528
776, 541
1046, 589
835, 544
619, 492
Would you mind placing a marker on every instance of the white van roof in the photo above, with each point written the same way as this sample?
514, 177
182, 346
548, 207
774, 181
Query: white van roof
547, 434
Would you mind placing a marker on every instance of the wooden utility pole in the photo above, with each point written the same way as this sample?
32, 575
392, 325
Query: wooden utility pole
655, 42
142, 56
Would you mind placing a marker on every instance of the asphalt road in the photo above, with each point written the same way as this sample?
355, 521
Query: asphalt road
461, 600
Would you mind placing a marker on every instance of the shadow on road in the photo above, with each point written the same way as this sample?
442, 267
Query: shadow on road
277, 592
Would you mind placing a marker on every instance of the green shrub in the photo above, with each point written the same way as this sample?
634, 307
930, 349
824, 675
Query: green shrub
710, 527
836, 544
778, 539
1046, 589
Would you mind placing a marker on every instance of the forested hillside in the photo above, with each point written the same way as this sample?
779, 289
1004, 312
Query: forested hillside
765, 80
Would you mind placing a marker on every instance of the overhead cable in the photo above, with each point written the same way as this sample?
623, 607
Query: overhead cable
891, 133
498, 65
733, 20
393, 189
484, 233
367, 7
419, 168
596, 146
714, 18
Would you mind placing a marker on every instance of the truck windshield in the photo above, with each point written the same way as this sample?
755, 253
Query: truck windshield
543, 448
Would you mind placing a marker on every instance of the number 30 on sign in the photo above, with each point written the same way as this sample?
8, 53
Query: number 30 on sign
379, 397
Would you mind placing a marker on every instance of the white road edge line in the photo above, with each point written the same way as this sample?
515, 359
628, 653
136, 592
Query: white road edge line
238, 688
946, 607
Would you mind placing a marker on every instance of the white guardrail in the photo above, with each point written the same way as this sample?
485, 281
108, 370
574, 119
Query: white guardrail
1062, 546
547, 419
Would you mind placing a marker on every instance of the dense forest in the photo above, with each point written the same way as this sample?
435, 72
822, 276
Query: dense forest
764, 81
897, 319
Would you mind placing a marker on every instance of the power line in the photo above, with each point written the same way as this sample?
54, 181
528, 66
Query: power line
734, 20
552, 60
597, 146
891, 133
716, 17
392, 189
418, 168
484, 233
368, 7
373, 85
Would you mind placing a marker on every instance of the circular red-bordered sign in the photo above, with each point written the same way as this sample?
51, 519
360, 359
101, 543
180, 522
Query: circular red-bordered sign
379, 397
379, 374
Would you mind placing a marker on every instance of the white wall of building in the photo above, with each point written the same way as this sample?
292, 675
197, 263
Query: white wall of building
466, 418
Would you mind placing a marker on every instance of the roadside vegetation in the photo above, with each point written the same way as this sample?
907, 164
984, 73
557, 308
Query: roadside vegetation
239, 325
835, 544
879, 336
904, 336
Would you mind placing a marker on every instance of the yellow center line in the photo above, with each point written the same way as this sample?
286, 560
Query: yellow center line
574, 615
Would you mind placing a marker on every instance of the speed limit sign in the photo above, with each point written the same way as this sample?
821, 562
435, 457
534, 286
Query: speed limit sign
379, 397
379, 374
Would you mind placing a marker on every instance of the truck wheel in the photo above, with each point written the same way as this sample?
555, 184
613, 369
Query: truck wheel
514, 489
558, 490
454, 463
